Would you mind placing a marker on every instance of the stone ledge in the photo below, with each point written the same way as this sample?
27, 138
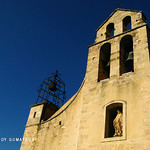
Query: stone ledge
111, 139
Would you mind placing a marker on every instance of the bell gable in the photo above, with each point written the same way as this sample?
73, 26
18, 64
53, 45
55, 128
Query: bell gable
118, 22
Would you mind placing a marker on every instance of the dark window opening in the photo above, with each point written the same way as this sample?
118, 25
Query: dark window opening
34, 115
110, 30
60, 123
111, 113
126, 23
126, 55
104, 62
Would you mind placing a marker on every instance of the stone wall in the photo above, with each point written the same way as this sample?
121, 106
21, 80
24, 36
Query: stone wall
60, 132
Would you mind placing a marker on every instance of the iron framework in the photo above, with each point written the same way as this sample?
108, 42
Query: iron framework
52, 90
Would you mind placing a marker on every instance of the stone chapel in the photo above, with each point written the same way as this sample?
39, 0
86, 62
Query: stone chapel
111, 109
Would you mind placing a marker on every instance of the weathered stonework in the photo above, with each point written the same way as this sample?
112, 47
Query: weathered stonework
81, 123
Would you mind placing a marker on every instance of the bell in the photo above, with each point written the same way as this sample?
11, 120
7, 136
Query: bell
53, 87
108, 64
130, 56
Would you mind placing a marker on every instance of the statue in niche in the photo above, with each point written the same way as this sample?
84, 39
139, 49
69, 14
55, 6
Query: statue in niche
118, 124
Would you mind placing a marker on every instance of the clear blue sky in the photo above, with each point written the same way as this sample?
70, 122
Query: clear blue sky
36, 38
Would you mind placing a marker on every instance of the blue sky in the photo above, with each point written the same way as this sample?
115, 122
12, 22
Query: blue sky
36, 38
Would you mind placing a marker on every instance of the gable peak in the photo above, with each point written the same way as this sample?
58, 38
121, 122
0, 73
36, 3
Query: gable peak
119, 9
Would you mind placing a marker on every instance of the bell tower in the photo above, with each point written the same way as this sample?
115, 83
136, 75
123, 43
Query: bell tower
117, 76
50, 98
120, 43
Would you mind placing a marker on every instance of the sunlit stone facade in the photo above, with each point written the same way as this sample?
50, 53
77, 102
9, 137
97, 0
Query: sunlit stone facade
117, 78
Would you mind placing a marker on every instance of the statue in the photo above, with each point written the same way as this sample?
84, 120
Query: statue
118, 124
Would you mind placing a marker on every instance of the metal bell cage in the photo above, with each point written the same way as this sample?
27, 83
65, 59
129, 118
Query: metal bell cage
52, 90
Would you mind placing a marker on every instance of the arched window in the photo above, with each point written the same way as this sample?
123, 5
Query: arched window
110, 30
115, 121
104, 62
126, 55
126, 23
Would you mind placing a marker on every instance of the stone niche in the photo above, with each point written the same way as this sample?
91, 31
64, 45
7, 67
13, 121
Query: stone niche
110, 113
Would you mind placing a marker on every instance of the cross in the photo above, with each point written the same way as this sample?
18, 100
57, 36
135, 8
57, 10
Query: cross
118, 4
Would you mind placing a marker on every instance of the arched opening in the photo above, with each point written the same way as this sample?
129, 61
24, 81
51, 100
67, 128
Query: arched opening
126, 23
110, 30
111, 114
126, 55
104, 62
